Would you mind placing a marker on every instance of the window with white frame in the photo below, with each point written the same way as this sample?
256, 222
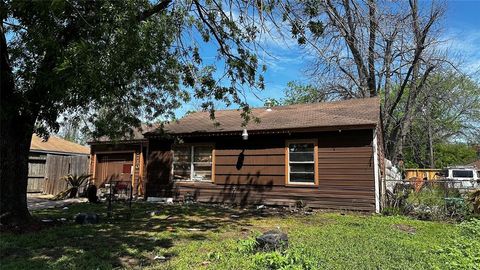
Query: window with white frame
193, 162
301, 162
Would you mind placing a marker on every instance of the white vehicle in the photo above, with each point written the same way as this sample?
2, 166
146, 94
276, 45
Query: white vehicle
462, 177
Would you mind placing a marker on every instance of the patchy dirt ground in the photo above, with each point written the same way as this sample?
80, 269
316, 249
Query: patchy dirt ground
37, 201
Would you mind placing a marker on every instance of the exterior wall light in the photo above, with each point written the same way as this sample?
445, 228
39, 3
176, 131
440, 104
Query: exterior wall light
245, 134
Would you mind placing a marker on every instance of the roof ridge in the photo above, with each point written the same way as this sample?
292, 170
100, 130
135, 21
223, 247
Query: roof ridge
324, 102
55, 143
291, 105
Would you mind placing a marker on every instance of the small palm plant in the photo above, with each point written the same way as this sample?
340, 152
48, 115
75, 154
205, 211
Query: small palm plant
75, 182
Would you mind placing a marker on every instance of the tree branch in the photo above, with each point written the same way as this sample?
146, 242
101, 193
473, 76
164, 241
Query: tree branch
157, 8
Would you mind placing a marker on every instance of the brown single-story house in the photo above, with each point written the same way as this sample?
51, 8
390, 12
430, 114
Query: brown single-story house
121, 160
50, 160
325, 155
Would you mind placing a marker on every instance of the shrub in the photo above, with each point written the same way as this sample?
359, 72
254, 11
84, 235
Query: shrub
436, 202
428, 203
398, 196
429, 196
457, 208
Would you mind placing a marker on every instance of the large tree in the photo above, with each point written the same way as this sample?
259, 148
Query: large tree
113, 64
374, 48
449, 113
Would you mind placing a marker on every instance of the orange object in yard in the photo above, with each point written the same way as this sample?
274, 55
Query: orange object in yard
418, 176
424, 174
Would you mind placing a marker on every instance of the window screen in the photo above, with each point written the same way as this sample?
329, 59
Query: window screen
202, 163
301, 163
182, 158
192, 163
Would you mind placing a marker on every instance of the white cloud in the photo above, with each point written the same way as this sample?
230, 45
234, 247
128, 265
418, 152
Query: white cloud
464, 45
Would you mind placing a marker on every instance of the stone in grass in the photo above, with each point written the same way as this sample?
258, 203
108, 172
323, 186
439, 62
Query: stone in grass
405, 228
47, 220
273, 240
160, 258
155, 213
87, 218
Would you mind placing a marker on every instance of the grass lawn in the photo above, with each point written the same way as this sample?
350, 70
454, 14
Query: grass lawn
208, 237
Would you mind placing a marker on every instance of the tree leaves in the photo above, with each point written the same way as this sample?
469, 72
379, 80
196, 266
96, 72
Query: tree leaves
120, 63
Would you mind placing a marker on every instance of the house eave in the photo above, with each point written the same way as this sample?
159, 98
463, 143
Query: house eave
268, 131
58, 152
134, 141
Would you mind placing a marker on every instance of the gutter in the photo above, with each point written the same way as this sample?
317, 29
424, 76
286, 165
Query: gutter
265, 131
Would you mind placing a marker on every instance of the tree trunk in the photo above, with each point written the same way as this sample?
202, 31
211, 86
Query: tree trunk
430, 137
16, 129
372, 10
15, 147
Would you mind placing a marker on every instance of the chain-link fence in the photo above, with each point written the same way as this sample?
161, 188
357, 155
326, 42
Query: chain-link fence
432, 199
462, 186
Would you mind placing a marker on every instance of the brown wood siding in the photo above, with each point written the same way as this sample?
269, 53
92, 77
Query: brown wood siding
272, 195
246, 179
250, 162
253, 172
263, 169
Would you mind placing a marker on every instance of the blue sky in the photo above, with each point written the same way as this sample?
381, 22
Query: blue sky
461, 30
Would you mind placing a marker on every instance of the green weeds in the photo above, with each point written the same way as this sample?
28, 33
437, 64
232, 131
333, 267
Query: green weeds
207, 237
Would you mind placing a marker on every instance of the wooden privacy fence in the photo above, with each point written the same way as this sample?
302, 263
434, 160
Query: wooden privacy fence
59, 166
36, 173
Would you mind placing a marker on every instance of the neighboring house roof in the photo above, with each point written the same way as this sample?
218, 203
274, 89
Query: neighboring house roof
57, 145
328, 115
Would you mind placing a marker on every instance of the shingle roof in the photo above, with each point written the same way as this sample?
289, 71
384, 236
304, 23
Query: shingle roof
137, 135
57, 145
355, 112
